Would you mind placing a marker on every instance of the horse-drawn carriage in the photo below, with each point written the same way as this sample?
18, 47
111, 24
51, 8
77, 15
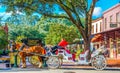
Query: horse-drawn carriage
37, 55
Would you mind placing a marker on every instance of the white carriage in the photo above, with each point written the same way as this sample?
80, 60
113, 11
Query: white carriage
97, 60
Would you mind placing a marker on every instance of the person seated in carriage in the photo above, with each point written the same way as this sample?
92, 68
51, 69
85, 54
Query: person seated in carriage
61, 45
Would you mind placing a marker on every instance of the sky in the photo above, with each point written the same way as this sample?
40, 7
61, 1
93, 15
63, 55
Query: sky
103, 5
100, 7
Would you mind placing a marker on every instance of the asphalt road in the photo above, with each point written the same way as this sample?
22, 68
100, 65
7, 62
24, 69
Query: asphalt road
62, 70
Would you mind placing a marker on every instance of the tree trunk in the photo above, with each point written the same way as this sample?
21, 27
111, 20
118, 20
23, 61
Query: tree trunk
87, 47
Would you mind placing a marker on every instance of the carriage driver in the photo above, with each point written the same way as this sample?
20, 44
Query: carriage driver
12, 45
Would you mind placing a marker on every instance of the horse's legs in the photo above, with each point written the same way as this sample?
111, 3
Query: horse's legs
23, 57
40, 62
23, 62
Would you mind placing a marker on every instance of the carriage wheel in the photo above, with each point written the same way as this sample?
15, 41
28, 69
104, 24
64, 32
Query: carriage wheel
34, 60
99, 62
53, 62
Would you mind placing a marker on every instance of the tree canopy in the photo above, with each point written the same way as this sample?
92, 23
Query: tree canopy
44, 28
73, 10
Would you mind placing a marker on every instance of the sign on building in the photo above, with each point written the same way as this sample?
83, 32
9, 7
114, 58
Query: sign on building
113, 25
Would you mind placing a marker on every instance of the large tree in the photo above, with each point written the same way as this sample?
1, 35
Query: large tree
73, 10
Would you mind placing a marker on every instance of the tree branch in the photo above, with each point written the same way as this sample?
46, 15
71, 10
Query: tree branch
92, 7
49, 15
82, 31
77, 16
90, 12
66, 10
68, 7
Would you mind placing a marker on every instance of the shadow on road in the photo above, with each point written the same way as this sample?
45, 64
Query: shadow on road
107, 69
23, 69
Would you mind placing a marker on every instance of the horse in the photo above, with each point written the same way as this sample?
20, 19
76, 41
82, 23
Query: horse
29, 51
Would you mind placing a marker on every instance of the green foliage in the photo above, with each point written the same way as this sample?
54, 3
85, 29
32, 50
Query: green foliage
21, 30
44, 28
59, 31
21, 18
19, 38
17, 32
3, 39
25, 28
73, 10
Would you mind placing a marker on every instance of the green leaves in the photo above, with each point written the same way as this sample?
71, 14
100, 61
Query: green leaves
17, 32
59, 31
3, 39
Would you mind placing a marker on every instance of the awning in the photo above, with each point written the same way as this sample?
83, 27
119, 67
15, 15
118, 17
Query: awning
97, 38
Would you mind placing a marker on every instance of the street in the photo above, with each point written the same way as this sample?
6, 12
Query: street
65, 68
62, 70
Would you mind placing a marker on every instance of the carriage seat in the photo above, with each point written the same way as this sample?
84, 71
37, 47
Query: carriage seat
82, 57
66, 55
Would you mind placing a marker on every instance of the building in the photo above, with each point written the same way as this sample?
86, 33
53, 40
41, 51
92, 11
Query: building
97, 28
107, 31
111, 18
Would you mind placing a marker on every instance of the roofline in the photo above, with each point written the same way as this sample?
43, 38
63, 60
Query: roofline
118, 4
97, 19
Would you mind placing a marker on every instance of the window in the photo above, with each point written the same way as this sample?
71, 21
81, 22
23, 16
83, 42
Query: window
93, 29
96, 28
105, 23
118, 18
100, 26
110, 18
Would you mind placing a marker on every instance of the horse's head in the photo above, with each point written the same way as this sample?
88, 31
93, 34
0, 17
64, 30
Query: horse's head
18, 45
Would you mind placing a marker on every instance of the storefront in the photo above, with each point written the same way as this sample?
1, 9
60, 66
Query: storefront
111, 40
